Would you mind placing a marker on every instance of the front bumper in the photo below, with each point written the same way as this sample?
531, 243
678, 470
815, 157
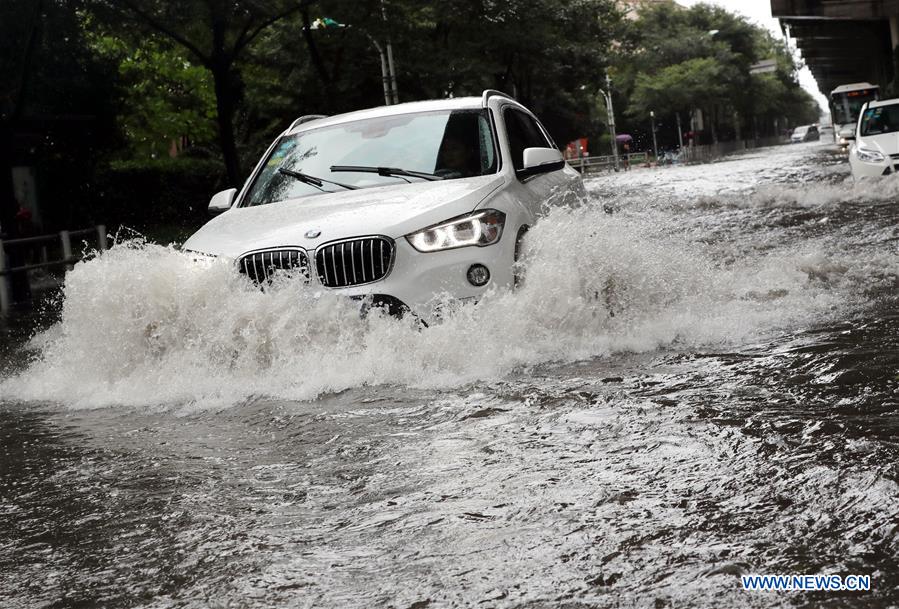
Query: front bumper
424, 281
861, 169
419, 282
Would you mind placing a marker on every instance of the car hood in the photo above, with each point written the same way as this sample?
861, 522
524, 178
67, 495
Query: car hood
885, 143
394, 211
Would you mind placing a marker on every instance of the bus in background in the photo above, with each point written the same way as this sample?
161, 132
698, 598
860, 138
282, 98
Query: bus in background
845, 103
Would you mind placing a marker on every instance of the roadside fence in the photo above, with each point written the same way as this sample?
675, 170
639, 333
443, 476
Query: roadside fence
687, 154
607, 162
39, 248
710, 152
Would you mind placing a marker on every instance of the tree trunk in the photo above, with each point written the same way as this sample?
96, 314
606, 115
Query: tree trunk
221, 63
225, 104
713, 117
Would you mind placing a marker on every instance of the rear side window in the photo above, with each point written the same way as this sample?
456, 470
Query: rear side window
523, 133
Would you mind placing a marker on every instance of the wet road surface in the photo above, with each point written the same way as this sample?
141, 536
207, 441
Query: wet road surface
700, 379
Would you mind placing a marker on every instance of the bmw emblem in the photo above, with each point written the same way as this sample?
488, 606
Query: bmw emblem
312, 234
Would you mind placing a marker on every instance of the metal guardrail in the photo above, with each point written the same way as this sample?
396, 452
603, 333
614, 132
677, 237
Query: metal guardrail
687, 154
710, 152
68, 259
589, 163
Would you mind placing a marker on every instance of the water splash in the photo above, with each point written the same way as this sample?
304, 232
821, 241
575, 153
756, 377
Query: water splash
144, 325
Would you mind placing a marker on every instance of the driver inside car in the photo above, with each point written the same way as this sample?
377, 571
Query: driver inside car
459, 155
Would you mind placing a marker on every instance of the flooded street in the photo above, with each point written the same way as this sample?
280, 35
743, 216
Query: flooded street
698, 380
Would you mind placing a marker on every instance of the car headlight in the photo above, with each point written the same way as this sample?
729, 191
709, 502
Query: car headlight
868, 156
480, 228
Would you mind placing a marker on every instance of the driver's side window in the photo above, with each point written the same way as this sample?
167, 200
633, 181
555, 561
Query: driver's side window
523, 133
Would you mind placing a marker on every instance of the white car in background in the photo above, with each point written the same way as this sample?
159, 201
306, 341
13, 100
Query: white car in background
875, 145
400, 205
805, 133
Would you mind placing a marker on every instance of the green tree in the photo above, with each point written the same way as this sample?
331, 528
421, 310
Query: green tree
216, 33
165, 96
550, 54
673, 59
694, 83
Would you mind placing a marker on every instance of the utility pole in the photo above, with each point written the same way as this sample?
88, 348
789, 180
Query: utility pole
388, 78
610, 113
680, 135
385, 75
655, 147
394, 93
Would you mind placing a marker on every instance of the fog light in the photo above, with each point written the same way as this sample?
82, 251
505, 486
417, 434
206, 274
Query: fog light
478, 275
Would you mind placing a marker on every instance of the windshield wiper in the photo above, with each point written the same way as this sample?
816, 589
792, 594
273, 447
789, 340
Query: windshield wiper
387, 172
305, 178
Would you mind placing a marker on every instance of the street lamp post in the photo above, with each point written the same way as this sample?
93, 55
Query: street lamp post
610, 112
388, 76
394, 94
385, 77
655, 147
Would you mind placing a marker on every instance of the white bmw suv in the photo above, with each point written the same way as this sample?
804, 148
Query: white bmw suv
875, 148
403, 205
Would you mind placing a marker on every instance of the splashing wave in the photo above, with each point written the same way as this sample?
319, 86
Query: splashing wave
144, 325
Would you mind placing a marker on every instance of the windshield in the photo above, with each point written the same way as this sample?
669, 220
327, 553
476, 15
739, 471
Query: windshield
449, 144
846, 106
800, 130
883, 119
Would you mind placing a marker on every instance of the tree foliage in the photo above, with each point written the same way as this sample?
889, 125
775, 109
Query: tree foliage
678, 60
264, 64
694, 83
220, 78
170, 100
548, 53
216, 33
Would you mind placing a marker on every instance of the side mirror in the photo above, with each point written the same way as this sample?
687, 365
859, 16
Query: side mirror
540, 160
222, 201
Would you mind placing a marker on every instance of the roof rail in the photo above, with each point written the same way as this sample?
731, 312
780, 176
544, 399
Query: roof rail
306, 119
488, 93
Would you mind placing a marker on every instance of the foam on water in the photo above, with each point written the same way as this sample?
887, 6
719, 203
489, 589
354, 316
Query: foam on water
143, 325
